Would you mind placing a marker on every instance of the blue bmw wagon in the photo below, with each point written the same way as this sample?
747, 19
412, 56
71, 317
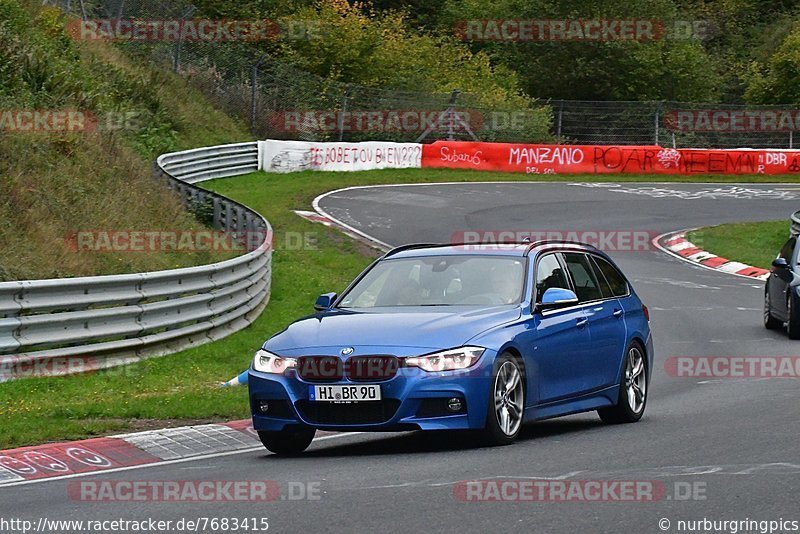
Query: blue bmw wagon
458, 337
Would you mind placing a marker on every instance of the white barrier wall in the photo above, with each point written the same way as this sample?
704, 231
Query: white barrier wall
291, 156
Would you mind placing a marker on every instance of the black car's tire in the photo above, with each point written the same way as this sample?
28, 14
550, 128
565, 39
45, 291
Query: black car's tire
497, 432
793, 312
627, 409
288, 442
770, 322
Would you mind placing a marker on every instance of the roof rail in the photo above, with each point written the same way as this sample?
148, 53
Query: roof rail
541, 242
412, 246
530, 245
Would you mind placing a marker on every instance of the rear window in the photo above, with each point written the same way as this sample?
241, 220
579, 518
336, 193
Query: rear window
617, 282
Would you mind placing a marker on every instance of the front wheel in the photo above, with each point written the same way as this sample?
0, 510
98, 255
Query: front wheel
506, 402
289, 441
632, 390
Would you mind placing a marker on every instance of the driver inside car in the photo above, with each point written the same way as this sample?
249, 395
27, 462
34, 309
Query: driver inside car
504, 285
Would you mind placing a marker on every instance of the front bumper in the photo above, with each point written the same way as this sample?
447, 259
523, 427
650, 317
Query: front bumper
411, 400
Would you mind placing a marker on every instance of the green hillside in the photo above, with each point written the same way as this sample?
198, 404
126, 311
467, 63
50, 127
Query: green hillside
56, 183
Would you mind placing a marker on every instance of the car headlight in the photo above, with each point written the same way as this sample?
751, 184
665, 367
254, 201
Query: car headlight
266, 362
448, 360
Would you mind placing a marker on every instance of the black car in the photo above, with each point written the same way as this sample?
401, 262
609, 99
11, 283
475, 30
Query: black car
781, 298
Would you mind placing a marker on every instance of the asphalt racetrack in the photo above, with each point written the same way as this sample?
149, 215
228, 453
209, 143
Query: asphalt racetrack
722, 449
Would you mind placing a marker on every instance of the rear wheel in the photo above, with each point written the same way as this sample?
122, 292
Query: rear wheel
793, 324
632, 389
770, 322
289, 441
506, 402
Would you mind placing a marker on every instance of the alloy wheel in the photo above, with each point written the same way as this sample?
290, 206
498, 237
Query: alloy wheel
508, 395
635, 380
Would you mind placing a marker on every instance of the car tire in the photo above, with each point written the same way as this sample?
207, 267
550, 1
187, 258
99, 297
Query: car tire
793, 314
289, 441
770, 322
506, 407
633, 388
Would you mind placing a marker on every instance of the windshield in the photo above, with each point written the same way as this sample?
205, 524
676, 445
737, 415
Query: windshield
439, 281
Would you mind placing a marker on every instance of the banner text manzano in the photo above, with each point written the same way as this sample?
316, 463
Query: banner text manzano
606, 159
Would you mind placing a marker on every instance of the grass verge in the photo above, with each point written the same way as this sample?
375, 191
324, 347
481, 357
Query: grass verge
755, 244
182, 388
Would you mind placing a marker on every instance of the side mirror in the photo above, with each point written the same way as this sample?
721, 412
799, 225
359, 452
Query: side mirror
325, 301
556, 297
780, 263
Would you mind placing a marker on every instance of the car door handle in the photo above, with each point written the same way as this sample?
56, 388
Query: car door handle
617, 313
580, 323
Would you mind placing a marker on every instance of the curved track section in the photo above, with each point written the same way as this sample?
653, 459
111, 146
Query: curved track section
722, 449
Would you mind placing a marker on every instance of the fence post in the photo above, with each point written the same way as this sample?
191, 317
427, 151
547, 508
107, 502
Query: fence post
254, 92
558, 123
658, 110
791, 138
340, 121
450, 110
176, 59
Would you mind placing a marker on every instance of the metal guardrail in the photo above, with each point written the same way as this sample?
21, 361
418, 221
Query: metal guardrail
58, 326
795, 227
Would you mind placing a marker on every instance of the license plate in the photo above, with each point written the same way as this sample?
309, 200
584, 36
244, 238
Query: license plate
344, 393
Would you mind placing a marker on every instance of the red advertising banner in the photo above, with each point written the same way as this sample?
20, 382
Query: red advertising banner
606, 159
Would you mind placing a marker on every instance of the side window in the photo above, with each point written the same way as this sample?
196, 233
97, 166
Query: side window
619, 286
549, 274
580, 269
605, 288
788, 248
